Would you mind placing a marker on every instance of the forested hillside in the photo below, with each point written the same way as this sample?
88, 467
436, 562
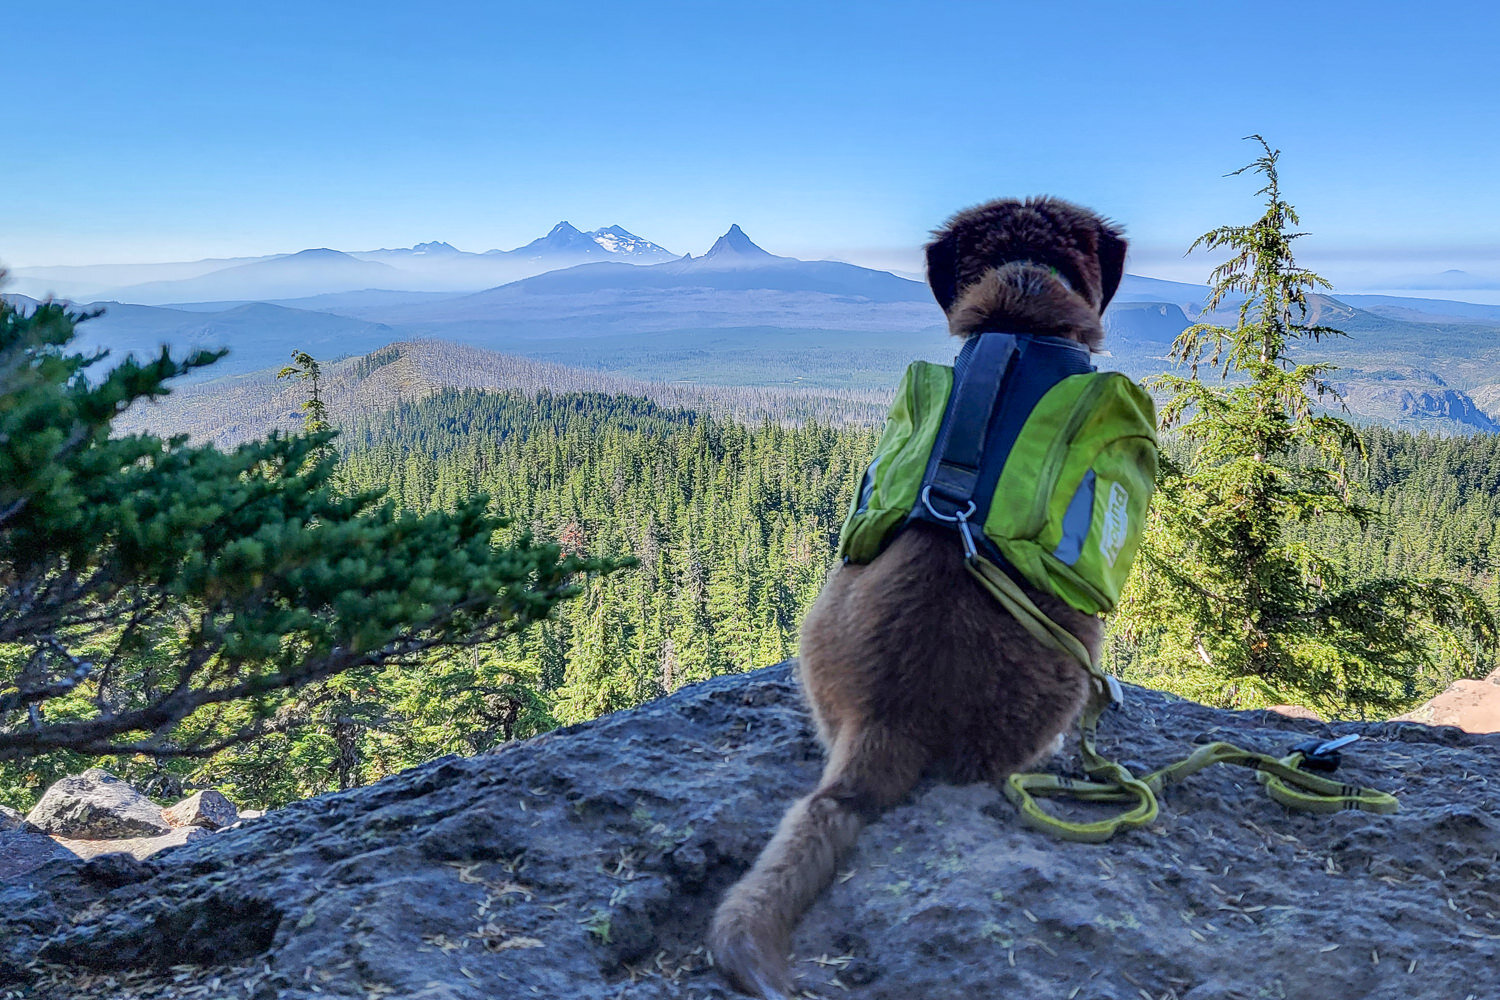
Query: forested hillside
228, 411
1438, 509
733, 526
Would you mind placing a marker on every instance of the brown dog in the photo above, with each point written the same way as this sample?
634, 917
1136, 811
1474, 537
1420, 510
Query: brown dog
908, 663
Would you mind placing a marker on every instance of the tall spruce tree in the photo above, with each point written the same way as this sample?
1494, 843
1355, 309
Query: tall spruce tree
1230, 602
330, 713
305, 368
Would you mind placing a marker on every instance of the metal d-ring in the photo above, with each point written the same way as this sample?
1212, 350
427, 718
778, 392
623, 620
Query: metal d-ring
961, 519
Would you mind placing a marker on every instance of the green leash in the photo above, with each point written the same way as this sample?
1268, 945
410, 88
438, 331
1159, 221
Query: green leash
1285, 780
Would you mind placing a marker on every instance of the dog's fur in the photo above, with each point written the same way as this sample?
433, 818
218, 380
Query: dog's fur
908, 663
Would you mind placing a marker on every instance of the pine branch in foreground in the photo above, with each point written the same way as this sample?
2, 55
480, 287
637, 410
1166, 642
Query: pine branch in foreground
147, 582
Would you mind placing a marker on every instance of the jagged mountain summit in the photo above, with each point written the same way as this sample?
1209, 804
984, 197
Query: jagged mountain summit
566, 242
564, 238
435, 247
735, 249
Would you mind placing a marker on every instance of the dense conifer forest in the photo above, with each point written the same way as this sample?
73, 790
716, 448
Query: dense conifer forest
732, 527
1438, 509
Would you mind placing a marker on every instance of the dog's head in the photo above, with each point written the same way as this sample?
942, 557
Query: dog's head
1036, 266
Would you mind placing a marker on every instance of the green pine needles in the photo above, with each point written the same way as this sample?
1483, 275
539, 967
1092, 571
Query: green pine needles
1232, 604
162, 598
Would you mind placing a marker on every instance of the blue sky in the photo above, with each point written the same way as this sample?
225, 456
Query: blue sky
167, 131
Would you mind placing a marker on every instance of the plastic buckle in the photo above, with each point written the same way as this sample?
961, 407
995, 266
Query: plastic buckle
1323, 755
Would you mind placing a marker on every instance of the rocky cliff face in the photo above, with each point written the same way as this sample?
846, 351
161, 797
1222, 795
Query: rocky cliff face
1412, 397
585, 864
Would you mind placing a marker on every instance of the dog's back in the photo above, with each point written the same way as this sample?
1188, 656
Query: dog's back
907, 662
914, 643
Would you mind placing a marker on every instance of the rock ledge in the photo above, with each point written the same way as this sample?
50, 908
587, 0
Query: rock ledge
585, 863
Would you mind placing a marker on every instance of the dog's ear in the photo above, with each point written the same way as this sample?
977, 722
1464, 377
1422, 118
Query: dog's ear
1111, 262
942, 268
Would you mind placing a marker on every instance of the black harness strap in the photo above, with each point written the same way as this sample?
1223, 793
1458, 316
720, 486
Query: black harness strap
957, 454
998, 378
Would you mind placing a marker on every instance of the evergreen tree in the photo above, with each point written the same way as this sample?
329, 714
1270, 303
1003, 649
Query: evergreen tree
245, 565
338, 714
599, 677
305, 368
1230, 600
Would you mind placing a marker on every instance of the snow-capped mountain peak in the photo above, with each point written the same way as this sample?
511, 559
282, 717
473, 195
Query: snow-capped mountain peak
624, 243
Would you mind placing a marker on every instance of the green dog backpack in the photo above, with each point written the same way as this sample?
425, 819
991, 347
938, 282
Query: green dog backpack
1022, 436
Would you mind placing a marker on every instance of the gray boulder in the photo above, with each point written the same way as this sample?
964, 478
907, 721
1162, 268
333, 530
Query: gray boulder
11, 819
208, 809
586, 863
95, 805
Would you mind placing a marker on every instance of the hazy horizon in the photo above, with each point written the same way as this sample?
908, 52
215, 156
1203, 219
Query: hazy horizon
1368, 273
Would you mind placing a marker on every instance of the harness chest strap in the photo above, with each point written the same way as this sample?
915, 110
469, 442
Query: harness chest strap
1286, 783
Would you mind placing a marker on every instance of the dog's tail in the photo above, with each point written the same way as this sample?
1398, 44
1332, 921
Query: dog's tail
752, 929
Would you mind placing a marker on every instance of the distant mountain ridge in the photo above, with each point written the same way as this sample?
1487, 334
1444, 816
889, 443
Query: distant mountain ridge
258, 334
431, 266
1453, 279
612, 242
741, 315
307, 272
736, 284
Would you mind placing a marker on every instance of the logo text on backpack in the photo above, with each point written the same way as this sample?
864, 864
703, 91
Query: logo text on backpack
1116, 523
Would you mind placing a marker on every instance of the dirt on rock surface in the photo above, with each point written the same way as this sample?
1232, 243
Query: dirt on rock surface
585, 864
